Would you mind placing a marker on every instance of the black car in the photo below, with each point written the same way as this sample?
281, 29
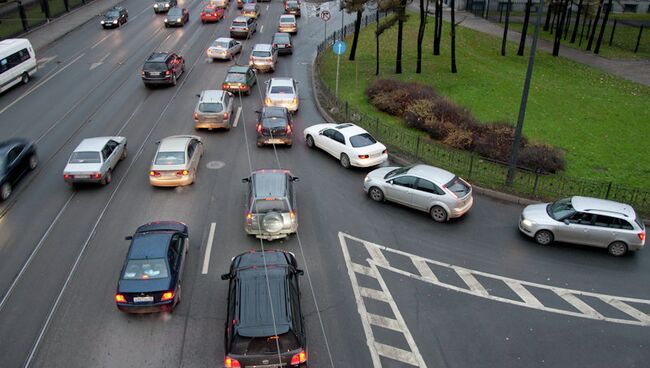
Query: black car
162, 68
292, 7
274, 126
252, 337
150, 280
163, 6
282, 41
177, 17
239, 79
115, 17
17, 157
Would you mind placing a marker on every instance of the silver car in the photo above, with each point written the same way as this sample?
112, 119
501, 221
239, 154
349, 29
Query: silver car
224, 48
271, 207
176, 161
214, 110
94, 160
426, 188
282, 92
264, 57
587, 221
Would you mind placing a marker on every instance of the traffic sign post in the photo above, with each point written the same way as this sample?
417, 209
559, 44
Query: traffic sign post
339, 49
325, 15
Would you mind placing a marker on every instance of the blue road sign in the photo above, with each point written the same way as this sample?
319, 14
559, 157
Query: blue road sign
339, 47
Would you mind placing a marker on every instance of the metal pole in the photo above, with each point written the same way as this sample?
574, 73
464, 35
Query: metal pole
377, 41
638, 40
338, 62
325, 37
524, 100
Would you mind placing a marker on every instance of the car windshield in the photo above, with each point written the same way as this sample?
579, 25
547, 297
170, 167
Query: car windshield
249, 7
210, 107
274, 122
209, 9
458, 186
170, 158
85, 158
235, 77
264, 344
113, 14
239, 24
155, 66
292, 4
221, 44
269, 205
281, 39
281, 89
398, 171
362, 140
175, 12
262, 53
286, 20
145, 269
560, 209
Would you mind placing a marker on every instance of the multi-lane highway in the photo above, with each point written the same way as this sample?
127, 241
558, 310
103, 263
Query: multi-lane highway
490, 298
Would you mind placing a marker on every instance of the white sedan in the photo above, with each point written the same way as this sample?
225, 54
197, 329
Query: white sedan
94, 160
349, 143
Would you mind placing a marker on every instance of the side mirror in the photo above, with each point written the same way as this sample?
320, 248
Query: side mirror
566, 222
157, 142
300, 272
390, 182
258, 111
198, 95
246, 180
226, 276
266, 81
295, 178
128, 237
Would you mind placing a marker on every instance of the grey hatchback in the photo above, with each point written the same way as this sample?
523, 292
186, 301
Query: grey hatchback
586, 221
271, 206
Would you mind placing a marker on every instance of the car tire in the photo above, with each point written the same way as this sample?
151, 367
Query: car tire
617, 248
260, 144
202, 21
5, 191
345, 161
193, 177
107, 179
33, 161
248, 93
166, 25
24, 78
125, 152
438, 214
174, 80
544, 237
310, 141
376, 194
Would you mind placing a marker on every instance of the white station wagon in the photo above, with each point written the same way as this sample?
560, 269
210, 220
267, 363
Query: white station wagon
94, 160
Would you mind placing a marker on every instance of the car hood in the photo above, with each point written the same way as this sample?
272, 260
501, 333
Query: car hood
109, 18
537, 213
81, 168
379, 174
143, 286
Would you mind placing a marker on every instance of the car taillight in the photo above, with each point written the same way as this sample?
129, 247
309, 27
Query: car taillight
267, 101
288, 45
259, 128
142, 72
68, 176
182, 173
292, 214
224, 86
295, 100
196, 115
274, 45
251, 59
289, 129
245, 28
95, 176
229, 362
225, 115
119, 298
154, 173
168, 72
364, 156
249, 218
167, 295
385, 151
299, 358
642, 236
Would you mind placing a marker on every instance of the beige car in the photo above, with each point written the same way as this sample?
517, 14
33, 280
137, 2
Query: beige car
176, 161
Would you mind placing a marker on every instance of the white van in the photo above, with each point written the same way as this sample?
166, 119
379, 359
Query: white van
17, 62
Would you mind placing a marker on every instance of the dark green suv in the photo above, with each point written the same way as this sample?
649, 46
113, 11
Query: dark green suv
239, 79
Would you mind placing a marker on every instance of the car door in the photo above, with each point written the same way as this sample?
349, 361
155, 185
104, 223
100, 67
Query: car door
400, 189
324, 140
250, 77
228, 102
116, 152
338, 145
14, 166
602, 232
425, 194
173, 262
106, 159
186, 15
577, 230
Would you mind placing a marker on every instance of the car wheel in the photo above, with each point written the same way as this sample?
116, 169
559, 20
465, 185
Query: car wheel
166, 25
438, 214
260, 144
5, 191
25, 78
617, 248
202, 21
310, 141
345, 161
107, 179
248, 93
376, 194
544, 237
124, 153
174, 80
33, 161
194, 177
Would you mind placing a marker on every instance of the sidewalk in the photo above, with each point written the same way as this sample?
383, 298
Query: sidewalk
634, 70
59, 27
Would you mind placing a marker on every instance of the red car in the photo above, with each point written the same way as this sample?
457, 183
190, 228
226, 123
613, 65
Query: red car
211, 14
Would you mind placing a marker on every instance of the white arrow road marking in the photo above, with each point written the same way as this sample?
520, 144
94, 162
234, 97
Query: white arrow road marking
100, 62
578, 305
262, 28
42, 61
100, 41
208, 249
237, 117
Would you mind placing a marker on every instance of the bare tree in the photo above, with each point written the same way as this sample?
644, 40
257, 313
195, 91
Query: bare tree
524, 29
505, 29
575, 26
453, 36
437, 33
423, 23
354, 6
560, 23
595, 24
602, 27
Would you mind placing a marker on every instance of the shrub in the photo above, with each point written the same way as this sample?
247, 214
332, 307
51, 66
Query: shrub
418, 112
540, 156
415, 91
437, 129
392, 102
447, 111
458, 138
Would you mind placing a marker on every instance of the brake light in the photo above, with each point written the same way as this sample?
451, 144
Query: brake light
259, 128
267, 101
295, 100
364, 156
95, 176
167, 295
167, 72
288, 128
231, 363
642, 236
245, 29
225, 115
182, 173
154, 173
68, 176
120, 298
224, 86
249, 218
288, 45
299, 358
385, 152
275, 45
292, 214
196, 115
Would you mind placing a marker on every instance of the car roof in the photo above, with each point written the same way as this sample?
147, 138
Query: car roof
174, 143
288, 16
9, 143
270, 182
238, 69
158, 56
283, 34
277, 111
92, 144
432, 173
150, 245
241, 18
281, 81
224, 39
211, 95
263, 297
262, 47
602, 206
349, 130
250, 5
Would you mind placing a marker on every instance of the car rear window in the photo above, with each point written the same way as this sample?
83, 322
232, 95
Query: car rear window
155, 66
239, 24
222, 44
145, 269
287, 20
274, 122
85, 158
235, 77
113, 14
249, 7
281, 89
261, 53
638, 220
209, 9
292, 4
362, 140
170, 158
211, 107
270, 205
458, 186
264, 345
281, 39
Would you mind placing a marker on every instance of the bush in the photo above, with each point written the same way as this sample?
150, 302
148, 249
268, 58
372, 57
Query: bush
494, 140
415, 91
540, 156
392, 102
459, 138
437, 129
447, 111
418, 112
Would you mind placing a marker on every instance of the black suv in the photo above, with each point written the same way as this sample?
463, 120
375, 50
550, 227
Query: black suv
274, 126
163, 6
162, 68
253, 338
115, 17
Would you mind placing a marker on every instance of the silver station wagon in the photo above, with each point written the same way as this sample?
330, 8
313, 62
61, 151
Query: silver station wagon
586, 221
94, 160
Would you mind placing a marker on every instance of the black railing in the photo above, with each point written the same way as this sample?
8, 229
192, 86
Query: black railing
17, 17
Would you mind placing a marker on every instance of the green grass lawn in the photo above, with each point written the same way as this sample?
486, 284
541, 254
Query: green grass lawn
601, 121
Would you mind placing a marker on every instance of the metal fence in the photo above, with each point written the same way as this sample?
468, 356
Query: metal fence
17, 17
479, 170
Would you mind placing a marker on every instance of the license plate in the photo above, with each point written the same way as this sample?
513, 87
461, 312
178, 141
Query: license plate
142, 299
154, 74
82, 176
275, 141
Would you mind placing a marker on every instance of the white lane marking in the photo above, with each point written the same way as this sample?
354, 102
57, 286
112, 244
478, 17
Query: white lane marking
100, 62
384, 322
471, 281
423, 269
208, 249
43, 61
373, 294
262, 29
267, 7
41, 83
586, 311
237, 117
398, 354
36, 249
100, 41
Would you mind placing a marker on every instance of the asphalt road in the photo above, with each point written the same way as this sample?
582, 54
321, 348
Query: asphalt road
61, 249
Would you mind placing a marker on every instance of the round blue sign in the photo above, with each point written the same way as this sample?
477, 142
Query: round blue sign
339, 47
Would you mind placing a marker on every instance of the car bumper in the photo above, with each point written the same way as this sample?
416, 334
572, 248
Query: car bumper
236, 89
110, 25
161, 10
292, 107
212, 124
460, 211
170, 181
288, 29
238, 34
369, 162
174, 23
275, 140
218, 55
261, 65
285, 50
157, 80
260, 234
210, 19
146, 308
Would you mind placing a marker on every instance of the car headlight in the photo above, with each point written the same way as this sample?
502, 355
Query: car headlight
115, 21
102, 22
155, 5
366, 179
178, 19
166, 5
165, 20
527, 222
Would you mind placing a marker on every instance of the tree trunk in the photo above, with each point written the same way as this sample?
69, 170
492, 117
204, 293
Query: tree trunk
453, 37
437, 34
567, 25
556, 11
602, 27
377, 39
558, 30
594, 25
505, 29
355, 38
575, 26
423, 10
548, 16
524, 29
400, 32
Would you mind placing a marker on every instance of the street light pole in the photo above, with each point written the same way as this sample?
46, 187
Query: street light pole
524, 100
